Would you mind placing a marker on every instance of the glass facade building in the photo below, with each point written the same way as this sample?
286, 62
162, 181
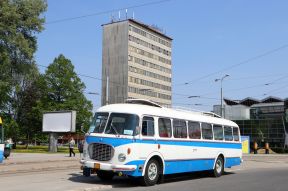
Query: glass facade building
266, 120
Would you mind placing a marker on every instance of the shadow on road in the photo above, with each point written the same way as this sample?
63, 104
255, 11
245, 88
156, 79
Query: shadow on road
93, 179
118, 182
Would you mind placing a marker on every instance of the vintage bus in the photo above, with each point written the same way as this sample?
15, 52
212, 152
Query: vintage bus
142, 139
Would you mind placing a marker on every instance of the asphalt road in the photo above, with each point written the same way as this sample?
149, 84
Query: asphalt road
257, 173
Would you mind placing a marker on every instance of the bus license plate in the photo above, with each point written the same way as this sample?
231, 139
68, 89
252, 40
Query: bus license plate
97, 165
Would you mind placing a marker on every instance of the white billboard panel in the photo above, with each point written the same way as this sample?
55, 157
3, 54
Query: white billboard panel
62, 121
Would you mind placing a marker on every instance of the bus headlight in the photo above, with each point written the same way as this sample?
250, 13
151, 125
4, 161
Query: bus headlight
121, 157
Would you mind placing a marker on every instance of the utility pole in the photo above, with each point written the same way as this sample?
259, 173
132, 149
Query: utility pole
222, 108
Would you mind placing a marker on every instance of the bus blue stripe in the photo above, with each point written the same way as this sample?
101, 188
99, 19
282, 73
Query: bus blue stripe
188, 165
115, 142
1, 156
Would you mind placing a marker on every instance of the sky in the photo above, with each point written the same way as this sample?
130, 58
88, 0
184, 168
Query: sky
248, 40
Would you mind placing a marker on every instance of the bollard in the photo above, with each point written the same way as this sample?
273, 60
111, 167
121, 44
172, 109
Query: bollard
255, 147
266, 148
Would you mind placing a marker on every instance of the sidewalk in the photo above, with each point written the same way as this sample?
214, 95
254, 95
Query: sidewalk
27, 162
266, 157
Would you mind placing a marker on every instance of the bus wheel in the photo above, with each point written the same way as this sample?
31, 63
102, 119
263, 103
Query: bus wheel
219, 167
105, 175
152, 171
86, 172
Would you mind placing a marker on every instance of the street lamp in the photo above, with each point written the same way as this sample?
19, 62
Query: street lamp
221, 80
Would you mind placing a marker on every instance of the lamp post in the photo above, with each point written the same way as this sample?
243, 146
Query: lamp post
221, 80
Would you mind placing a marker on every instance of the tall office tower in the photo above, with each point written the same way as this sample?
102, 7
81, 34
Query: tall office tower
136, 63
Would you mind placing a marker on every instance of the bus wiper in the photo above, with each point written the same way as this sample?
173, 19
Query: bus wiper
117, 134
97, 129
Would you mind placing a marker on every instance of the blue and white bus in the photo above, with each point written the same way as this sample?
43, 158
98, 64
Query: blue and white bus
142, 139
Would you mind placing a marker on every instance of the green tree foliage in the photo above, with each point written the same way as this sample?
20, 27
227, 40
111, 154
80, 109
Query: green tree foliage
62, 90
20, 21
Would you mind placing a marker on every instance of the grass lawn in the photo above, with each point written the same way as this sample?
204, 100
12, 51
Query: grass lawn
40, 149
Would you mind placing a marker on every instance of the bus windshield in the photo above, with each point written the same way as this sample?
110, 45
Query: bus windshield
98, 123
122, 124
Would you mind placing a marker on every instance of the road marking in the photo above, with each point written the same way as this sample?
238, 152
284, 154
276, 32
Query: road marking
232, 170
99, 187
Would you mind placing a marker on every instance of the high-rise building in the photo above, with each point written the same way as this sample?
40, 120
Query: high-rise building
136, 63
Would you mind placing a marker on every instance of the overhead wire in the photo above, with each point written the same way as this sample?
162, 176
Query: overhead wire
186, 83
106, 12
269, 52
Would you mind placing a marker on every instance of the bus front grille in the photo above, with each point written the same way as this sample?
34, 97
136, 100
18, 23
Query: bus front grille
100, 152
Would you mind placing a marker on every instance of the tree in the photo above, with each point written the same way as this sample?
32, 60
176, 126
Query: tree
28, 116
20, 21
63, 90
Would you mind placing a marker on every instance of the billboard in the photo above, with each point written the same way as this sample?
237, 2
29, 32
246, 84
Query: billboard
60, 121
245, 144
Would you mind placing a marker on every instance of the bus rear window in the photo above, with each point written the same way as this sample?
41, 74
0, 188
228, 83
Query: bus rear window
236, 133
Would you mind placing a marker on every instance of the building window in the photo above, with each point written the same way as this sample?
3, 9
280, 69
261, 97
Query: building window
149, 55
149, 74
194, 130
164, 126
179, 128
148, 45
150, 36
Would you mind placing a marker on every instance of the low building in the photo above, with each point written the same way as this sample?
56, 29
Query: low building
263, 120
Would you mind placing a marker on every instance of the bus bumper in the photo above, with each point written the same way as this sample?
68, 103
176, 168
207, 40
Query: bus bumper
107, 166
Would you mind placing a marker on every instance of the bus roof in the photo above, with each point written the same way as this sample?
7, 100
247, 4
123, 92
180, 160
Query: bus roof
140, 109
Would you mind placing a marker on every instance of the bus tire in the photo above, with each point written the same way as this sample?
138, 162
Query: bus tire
86, 172
219, 167
152, 173
105, 175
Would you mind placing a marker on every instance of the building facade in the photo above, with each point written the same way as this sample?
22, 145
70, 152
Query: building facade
136, 63
262, 120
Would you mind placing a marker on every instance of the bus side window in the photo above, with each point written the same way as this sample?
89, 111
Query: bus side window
228, 133
194, 130
179, 128
236, 133
218, 132
148, 126
207, 131
164, 126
